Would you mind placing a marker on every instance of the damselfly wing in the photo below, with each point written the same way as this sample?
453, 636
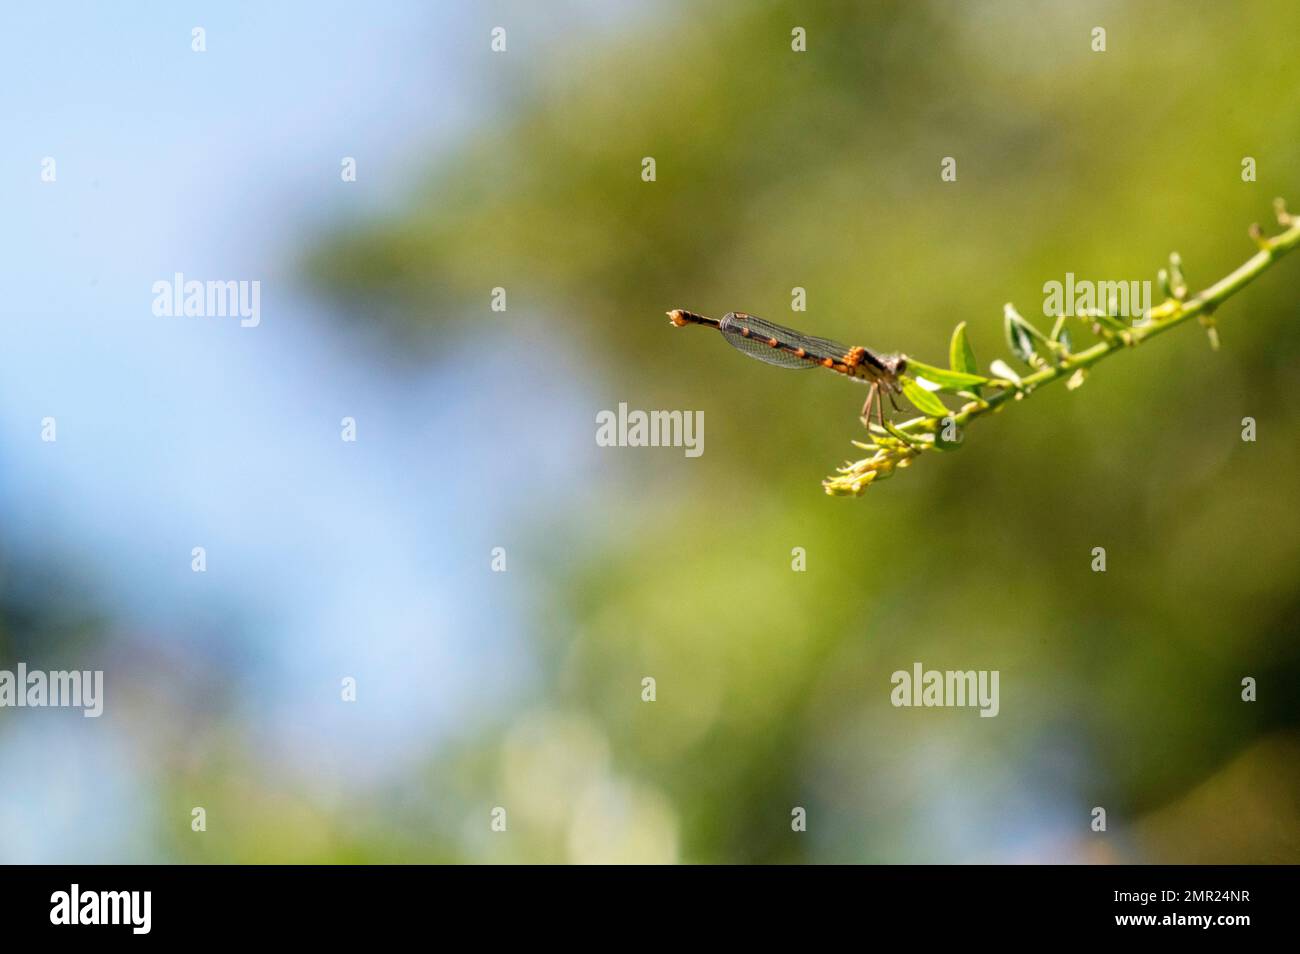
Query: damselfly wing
754, 337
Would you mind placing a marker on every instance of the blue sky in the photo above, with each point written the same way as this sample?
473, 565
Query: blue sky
325, 558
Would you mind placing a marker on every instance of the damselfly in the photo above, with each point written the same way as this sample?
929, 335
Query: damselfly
787, 348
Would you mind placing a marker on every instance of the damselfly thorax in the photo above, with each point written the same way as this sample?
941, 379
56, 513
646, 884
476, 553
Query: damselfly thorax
787, 348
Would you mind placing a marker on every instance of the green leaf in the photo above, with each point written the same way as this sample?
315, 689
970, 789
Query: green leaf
948, 380
922, 399
961, 357
1019, 339
1176, 279
1099, 316
1003, 370
905, 437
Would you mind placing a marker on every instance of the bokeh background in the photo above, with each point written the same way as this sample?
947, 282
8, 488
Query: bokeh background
522, 689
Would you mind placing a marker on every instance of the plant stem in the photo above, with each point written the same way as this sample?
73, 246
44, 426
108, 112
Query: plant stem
1164, 316
854, 478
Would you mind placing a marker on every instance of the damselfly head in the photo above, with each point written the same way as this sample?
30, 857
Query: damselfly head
894, 363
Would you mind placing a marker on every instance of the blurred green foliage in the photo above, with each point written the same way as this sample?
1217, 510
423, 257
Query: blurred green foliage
778, 169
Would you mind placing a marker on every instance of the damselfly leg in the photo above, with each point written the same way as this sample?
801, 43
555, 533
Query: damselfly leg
873, 397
